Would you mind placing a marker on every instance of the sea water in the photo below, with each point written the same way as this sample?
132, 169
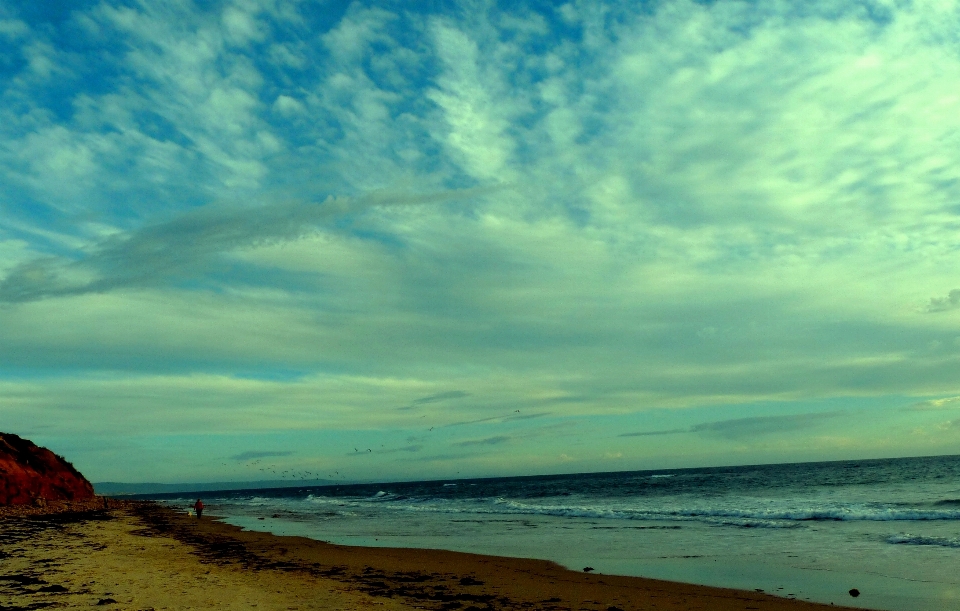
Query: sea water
814, 531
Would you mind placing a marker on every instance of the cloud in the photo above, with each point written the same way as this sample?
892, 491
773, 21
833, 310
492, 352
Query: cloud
410, 449
508, 418
944, 304
444, 396
185, 246
655, 433
950, 425
488, 441
13, 28
252, 454
715, 204
739, 428
474, 134
936, 405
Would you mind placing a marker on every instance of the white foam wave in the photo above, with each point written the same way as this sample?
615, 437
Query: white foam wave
751, 513
837, 512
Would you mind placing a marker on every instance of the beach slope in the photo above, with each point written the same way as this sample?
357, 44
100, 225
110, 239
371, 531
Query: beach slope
143, 556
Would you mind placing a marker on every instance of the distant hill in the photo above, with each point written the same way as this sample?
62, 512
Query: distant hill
122, 489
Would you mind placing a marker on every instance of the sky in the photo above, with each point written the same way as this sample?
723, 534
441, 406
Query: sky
393, 240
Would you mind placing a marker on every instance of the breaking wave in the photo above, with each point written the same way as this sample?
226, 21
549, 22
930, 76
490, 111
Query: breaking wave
784, 513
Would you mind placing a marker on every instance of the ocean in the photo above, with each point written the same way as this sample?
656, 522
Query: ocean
887, 528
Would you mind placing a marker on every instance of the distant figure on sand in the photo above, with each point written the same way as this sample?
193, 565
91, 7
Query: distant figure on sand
199, 507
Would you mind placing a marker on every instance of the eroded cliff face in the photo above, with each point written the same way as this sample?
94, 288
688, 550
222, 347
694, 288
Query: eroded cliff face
29, 472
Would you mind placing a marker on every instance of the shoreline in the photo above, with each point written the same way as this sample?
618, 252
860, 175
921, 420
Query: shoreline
309, 574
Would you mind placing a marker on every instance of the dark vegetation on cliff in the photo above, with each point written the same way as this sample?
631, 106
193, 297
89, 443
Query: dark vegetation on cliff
29, 473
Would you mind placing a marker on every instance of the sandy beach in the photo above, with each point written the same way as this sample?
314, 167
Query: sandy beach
140, 556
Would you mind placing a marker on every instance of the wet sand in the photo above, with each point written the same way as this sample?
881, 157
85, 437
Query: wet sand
143, 556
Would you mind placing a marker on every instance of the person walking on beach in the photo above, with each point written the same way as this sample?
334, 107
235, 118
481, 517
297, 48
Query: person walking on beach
199, 507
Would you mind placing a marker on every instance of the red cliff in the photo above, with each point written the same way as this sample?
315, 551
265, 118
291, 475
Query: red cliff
29, 472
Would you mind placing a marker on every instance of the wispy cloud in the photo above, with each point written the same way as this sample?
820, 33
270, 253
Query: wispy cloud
503, 418
738, 428
443, 396
253, 454
406, 449
936, 405
487, 441
186, 245
655, 433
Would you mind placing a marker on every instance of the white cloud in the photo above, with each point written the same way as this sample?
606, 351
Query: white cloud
948, 403
353, 35
186, 74
12, 253
475, 131
185, 246
287, 55
240, 26
13, 29
288, 106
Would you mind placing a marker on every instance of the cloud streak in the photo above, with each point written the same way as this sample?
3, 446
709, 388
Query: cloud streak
743, 428
443, 396
487, 441
187, 245
936, 405
508, 418
252, 454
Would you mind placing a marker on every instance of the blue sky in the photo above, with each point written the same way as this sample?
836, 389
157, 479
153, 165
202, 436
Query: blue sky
416, 240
